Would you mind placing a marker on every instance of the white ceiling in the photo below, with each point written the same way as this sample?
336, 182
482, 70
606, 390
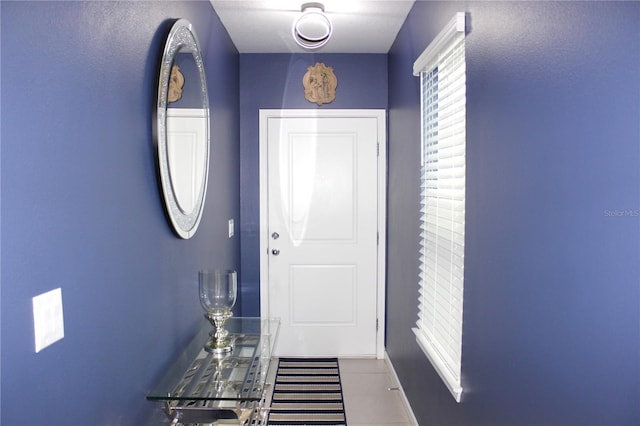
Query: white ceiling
359, 26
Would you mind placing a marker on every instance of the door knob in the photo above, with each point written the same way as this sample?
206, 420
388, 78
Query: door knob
275, 235
275, 252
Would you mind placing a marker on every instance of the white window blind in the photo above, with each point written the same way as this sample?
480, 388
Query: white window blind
442, 73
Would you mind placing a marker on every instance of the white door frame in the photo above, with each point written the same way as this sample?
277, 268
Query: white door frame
381, 116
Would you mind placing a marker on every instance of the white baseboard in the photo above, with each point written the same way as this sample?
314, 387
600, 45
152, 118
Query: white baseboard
403, 396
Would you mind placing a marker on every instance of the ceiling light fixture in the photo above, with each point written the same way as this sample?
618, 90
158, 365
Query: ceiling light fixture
313, 28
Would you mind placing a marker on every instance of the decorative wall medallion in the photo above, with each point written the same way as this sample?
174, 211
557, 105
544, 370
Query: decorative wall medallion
176, 81
320, 84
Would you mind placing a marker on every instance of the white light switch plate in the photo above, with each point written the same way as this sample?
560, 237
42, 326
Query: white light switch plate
231, 228
48, 320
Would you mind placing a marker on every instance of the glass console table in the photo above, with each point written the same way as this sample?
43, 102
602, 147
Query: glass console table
204, 387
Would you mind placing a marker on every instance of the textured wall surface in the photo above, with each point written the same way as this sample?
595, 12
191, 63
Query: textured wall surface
81, 209
551, 309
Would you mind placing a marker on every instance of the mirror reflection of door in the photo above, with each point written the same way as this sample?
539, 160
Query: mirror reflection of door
186, 132
186, 136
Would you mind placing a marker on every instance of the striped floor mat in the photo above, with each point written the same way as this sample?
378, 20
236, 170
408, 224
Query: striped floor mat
307, 391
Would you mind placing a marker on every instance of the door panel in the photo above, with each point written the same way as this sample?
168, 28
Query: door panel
319, 164
308, 300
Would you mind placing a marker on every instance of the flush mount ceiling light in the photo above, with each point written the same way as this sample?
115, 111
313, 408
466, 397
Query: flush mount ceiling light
312, 29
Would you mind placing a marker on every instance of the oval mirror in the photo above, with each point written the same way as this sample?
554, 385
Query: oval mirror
182, 135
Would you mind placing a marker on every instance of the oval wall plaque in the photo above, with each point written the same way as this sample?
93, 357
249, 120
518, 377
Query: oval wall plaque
320, 84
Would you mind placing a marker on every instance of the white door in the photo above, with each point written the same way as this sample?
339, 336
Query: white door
322, 211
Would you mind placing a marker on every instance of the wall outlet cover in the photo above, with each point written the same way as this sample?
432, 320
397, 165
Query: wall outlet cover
48, 319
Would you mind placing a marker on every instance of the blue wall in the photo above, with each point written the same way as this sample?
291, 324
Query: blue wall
81, 209
269, 81
552, 291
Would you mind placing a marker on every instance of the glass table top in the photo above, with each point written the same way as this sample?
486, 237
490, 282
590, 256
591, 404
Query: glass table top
239, 375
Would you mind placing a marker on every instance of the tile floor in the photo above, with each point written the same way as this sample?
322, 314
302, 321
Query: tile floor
370, 393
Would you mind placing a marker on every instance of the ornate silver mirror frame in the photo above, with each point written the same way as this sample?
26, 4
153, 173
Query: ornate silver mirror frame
182, 129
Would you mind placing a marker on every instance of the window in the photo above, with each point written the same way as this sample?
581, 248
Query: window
441, 68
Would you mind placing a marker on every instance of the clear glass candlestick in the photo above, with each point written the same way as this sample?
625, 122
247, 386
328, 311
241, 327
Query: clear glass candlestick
218, 291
